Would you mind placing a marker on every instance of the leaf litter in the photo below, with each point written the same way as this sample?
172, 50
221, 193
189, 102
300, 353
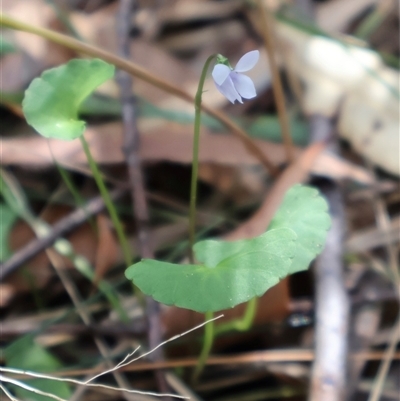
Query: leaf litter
173, 41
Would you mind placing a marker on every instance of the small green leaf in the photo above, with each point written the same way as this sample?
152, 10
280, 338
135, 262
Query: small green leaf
305, 211
231, 273
51, 102
25, 354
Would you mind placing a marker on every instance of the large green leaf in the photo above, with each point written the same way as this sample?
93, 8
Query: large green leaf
306, 213
229, 273
51, 102
25, 354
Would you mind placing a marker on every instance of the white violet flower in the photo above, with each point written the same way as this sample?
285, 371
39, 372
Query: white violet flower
230, 82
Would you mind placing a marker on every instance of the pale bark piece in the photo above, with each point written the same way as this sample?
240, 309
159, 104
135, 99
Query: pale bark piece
353, 83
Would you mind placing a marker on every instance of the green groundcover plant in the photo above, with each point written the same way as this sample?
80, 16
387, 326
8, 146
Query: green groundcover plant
229, 273
221, 274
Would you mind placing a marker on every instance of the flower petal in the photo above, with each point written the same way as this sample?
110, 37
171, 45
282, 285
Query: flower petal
248, 61
243, 85
220, 73
229, 91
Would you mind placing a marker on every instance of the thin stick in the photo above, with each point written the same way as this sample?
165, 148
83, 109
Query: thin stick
276, 81
119, 365
385, 364
270, 356
30, 388
328, 378
135, 171
8, 394
73, 381
59, 229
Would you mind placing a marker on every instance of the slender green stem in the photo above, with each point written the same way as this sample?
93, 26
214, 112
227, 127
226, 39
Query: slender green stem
209, 328
107, 200
74, 191
242, 324
195, 162
207, 345
211, 332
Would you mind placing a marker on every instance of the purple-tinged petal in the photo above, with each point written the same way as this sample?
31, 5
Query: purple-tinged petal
229, 91
248, 61
243, 85
220, 73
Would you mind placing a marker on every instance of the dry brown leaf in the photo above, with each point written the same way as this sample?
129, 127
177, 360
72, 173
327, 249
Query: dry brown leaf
239, 182
99, 28
165, 142
330, 165
160, 142
212, 38
369, 238
336, 15
35, 12
184, 11
296, 173
35, 53
7, 293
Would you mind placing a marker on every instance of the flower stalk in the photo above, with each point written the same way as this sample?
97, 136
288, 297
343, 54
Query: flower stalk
195, 159
108, 202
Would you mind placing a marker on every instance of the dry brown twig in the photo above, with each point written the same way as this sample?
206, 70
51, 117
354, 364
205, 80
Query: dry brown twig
328, 380
88, 383
279, 95
62, 227
135, 170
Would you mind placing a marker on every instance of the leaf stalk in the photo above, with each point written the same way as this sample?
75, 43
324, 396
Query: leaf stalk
108, 202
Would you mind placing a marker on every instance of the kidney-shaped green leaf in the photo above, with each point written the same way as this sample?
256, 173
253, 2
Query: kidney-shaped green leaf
52, 101
230, 272
305, 211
